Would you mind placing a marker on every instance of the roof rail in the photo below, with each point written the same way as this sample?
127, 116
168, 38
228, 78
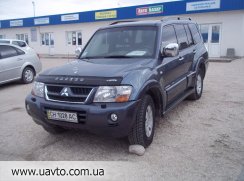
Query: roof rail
176, 18
117, 22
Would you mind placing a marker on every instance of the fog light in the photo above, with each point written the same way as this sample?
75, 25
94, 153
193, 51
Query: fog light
114, 117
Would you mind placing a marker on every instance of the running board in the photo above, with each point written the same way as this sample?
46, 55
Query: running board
175, 103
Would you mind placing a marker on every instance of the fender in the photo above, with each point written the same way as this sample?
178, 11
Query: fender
147, 86
200, 58
156, 91
23, 67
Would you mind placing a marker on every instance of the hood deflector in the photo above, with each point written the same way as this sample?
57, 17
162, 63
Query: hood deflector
77, 80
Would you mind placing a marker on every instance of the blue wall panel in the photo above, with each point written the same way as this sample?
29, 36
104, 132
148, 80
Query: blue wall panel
169, 8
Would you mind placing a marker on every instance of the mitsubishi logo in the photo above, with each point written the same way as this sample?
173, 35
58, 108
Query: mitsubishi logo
64, 92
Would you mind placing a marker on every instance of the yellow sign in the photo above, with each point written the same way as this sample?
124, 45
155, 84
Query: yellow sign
106, 14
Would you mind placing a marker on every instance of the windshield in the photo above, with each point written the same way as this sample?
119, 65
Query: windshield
123, 42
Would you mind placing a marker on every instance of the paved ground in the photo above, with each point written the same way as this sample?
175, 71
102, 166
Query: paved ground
202, 140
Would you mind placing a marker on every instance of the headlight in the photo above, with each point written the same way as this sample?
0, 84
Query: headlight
38, 89
113, 94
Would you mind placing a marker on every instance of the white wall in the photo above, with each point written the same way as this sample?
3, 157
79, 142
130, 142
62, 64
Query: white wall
232, 32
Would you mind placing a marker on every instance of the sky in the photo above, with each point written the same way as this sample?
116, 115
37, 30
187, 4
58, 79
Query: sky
13, 9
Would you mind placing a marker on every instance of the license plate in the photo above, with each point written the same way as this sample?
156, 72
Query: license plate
62, 116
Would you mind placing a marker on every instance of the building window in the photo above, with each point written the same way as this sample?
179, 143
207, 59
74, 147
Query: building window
204, 31
2, 36
74, 38
47, 39
23, 37
215, 34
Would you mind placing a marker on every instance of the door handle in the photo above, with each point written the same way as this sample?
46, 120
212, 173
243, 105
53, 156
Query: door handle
18, 59
181, 58
194, 51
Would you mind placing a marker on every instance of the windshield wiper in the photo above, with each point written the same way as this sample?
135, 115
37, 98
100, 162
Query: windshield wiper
118, 56
88, 57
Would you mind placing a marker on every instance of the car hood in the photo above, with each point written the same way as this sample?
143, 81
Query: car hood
99, 67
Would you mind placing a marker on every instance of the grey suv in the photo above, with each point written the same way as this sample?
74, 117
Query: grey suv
128, 74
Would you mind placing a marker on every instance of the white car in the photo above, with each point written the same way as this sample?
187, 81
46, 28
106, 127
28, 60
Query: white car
19, 43
18, 64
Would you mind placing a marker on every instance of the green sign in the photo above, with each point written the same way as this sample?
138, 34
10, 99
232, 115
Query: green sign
155, 9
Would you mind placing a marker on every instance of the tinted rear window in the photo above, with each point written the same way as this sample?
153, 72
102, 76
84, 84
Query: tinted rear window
189, 37
19, 43
7, 51
195, 33
181, 36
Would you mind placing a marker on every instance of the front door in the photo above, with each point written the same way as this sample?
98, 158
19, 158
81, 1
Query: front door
173, 68
10, 63
211, 37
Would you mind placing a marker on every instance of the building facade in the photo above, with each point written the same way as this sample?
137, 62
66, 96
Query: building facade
221, 23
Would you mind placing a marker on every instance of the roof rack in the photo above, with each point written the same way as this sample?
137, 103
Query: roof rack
117, 22
176, 18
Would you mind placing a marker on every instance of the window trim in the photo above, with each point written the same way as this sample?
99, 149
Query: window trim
50, 34
189, 45
76, 38
200, 35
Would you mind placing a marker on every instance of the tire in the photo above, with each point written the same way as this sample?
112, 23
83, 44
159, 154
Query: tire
54, 129
143, 130
28, 75
198, 86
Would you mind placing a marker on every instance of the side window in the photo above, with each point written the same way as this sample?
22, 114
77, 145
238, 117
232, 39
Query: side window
20, 52
181, 36
5, 41
189, 37
168, 35
15, 43
195, 33
7, 51
19, 43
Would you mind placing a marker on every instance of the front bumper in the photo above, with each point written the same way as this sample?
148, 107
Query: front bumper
94, 117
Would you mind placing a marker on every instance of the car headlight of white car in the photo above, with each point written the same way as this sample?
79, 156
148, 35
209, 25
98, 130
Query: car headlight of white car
38, 89
113, 93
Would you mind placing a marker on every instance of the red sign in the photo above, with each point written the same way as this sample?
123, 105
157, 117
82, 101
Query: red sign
142, 11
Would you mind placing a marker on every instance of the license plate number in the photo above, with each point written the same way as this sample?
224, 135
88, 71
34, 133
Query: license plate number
62, 116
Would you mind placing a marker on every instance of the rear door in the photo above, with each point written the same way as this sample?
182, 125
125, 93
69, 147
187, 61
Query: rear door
186, 47
10, 62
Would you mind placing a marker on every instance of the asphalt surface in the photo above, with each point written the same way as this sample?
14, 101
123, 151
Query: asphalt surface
201, 140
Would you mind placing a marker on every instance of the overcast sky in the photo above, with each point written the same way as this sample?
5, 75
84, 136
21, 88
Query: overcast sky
12, 9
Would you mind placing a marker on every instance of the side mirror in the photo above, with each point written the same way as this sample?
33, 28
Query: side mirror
77, 51
170, 50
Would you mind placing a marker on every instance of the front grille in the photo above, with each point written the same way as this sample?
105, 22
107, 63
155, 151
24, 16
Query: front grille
71, 94
80, 90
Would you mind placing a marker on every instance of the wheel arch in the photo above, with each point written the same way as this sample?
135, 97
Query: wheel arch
153, 89
30, 66
201, 65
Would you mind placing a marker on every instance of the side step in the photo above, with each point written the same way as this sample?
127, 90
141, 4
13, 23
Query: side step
177, 101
